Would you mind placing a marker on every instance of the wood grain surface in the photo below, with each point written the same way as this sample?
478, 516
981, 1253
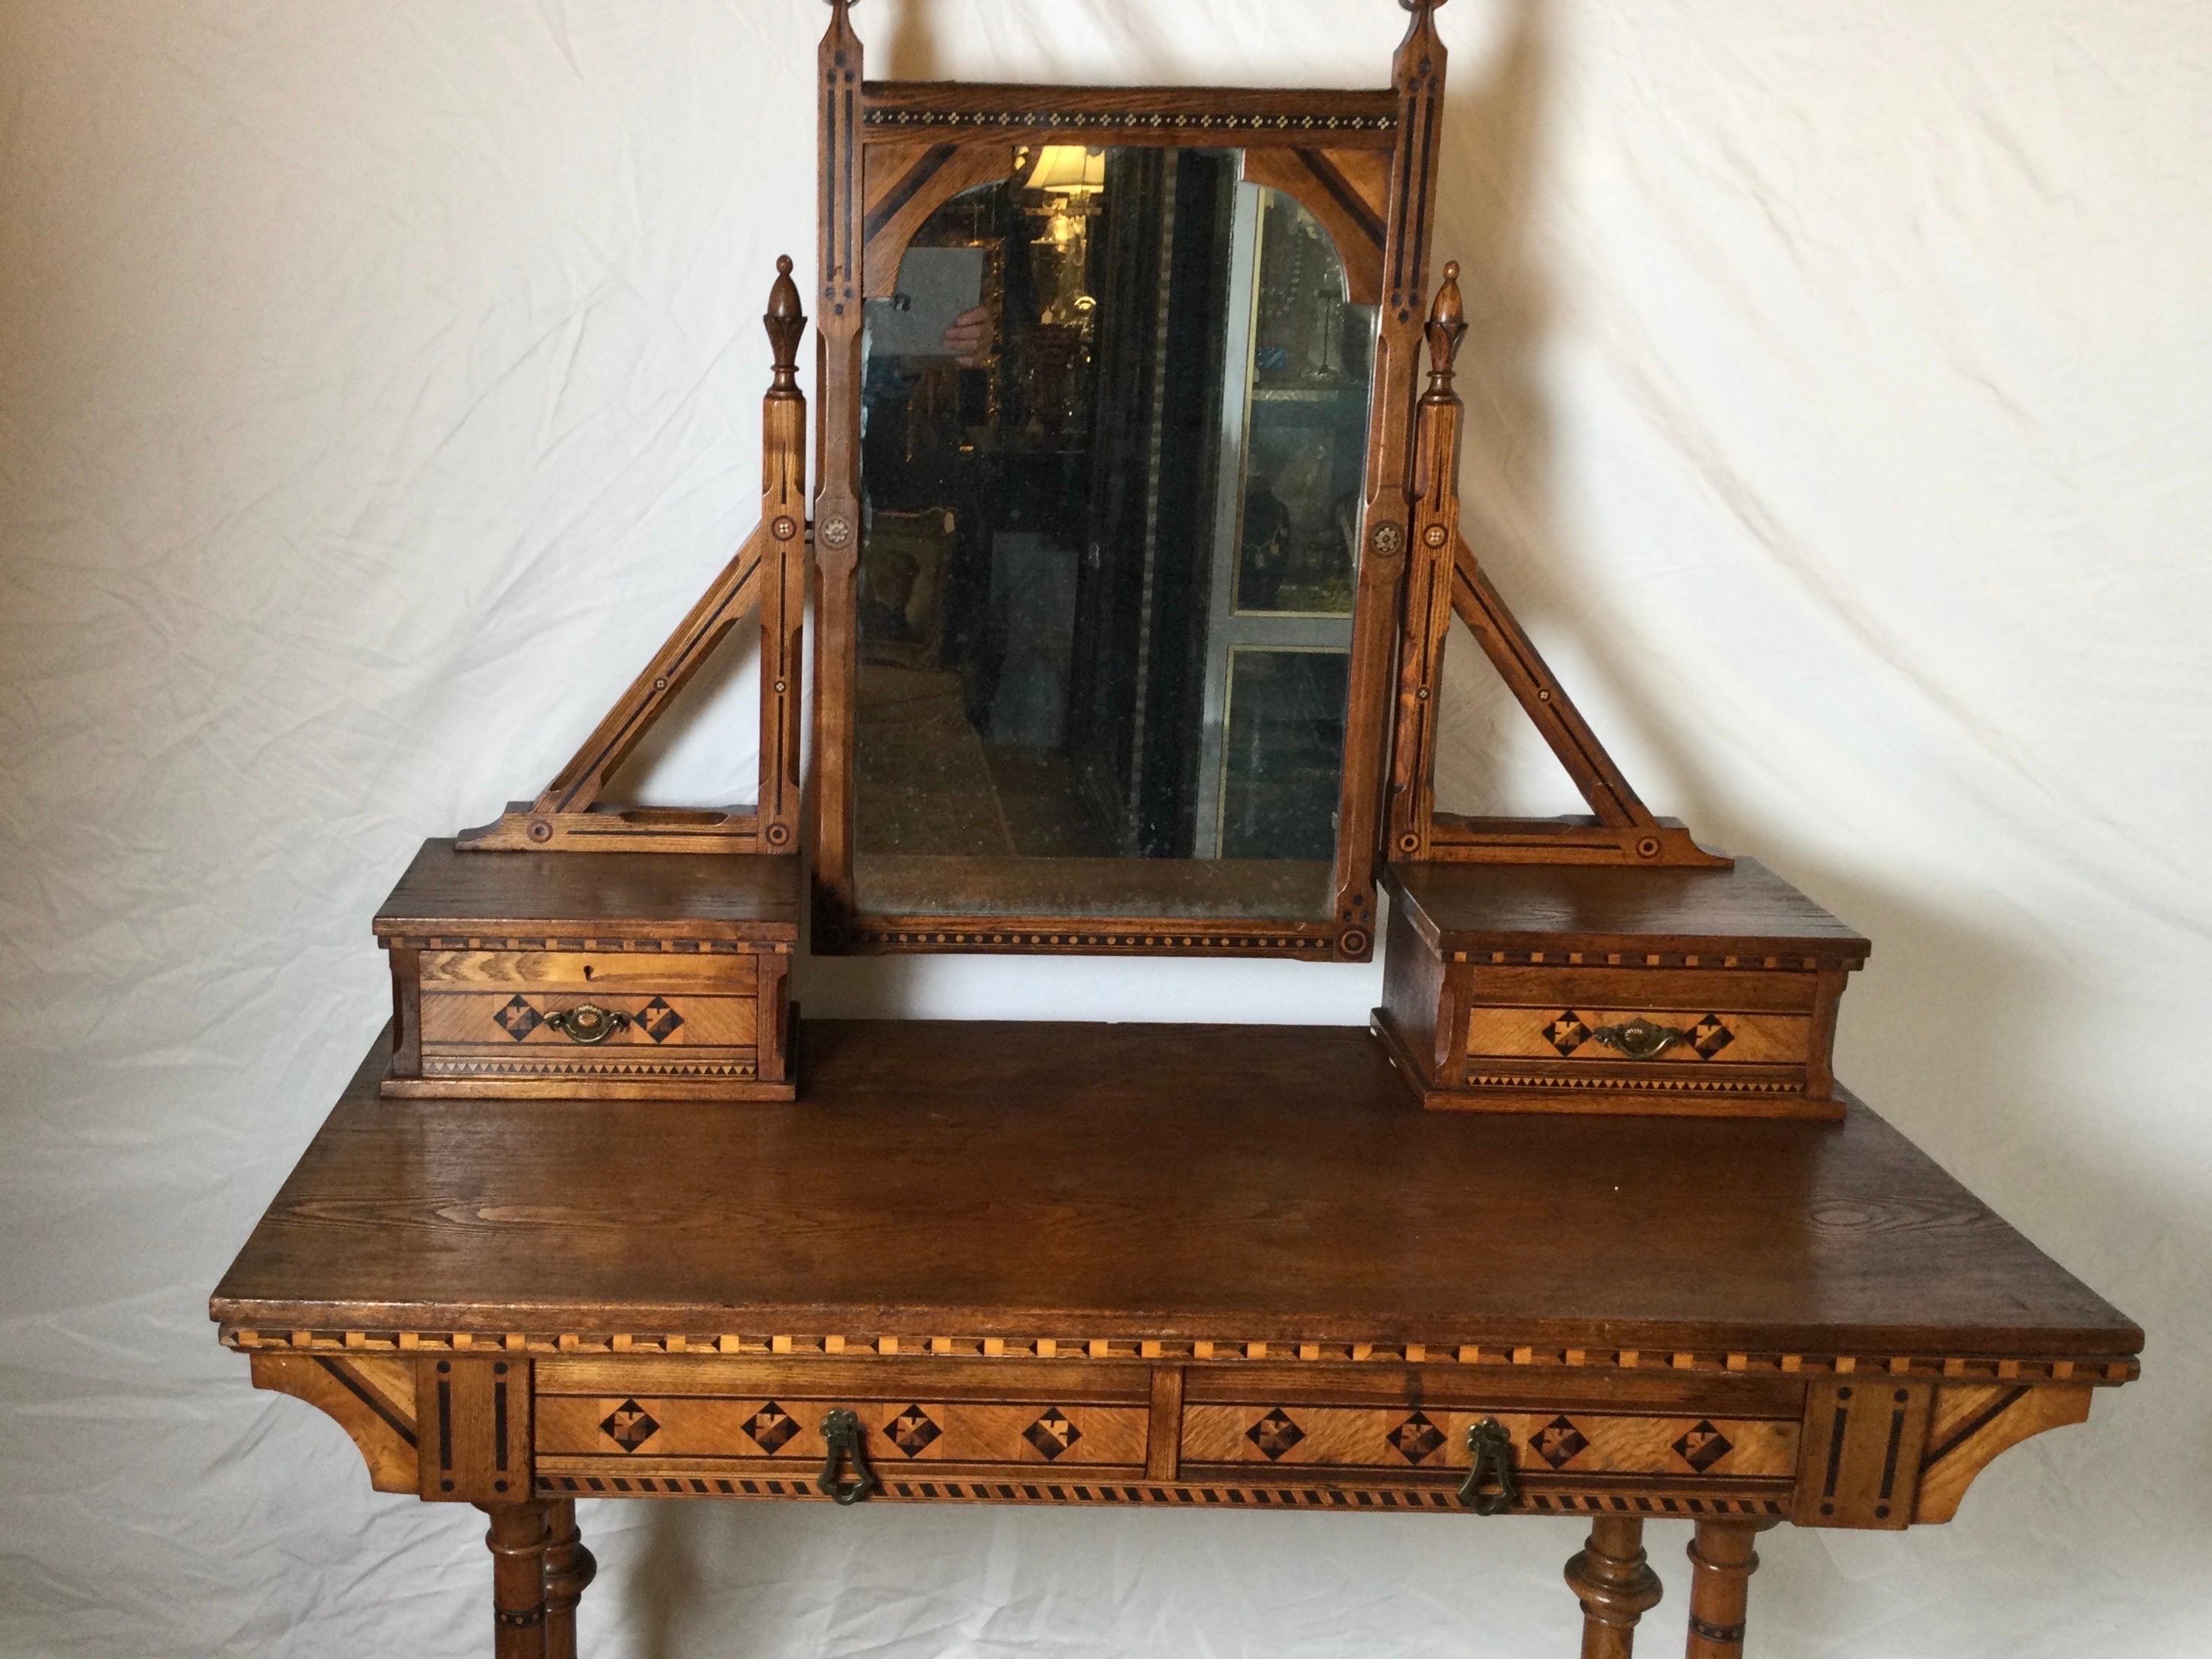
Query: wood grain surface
1593, 908
609, 894
1259, 1185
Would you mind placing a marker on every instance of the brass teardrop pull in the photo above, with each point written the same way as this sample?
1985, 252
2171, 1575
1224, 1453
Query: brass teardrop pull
1490, 1448
840, 1434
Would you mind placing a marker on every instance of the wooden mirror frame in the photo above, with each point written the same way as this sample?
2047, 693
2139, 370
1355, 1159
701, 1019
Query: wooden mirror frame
1364, 162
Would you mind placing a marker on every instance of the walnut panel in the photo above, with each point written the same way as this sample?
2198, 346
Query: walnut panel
1552, 1032
472, 1429
1685, 990
1590, 1442
1864, 1438
652, 972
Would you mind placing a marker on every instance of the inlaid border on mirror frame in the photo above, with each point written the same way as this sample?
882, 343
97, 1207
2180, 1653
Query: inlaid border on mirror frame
1321, 147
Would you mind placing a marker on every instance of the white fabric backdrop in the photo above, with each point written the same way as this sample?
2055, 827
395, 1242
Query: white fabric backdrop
377, 382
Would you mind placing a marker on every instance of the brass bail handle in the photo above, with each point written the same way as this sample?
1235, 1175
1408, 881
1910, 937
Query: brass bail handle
840, 1433
1490, 1450
1640, 1038
587, 1024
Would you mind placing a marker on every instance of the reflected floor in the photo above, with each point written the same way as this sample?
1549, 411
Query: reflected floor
928, 784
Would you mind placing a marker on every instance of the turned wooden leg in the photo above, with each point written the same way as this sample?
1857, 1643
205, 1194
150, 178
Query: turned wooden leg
569, 1568
1613, 1580
517, 1540
1722, 1560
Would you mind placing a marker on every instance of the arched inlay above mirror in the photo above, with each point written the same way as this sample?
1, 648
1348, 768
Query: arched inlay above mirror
1114, 441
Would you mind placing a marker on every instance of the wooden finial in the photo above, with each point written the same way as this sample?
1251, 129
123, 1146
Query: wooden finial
786, 322
1447, 328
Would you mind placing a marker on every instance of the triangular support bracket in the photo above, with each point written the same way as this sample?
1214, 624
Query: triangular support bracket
1444, 579
768, 577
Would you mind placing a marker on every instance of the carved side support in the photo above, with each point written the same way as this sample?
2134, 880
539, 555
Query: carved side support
768, 574
843, 238
1612, 1577
1971, 1426
1622, 829
372, 1400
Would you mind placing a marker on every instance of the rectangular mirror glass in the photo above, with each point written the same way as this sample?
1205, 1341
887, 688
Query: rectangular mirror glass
1114, 428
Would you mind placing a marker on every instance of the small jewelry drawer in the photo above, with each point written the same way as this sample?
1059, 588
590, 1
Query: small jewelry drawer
1573, 1017
589, 1023
1552, 1032
591, 976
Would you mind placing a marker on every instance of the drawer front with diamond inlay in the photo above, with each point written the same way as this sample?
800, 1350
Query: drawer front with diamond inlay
1552, 1031
1734, 1443
699, 1025
1435, 1439
608, 1427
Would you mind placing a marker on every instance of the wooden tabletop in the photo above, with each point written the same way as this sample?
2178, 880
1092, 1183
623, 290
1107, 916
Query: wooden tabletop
1251, 1185
1599, 907
608, 895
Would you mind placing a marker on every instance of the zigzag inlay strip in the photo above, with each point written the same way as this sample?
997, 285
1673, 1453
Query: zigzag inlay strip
1163, 120
648, 1071
1665, 1086
1025, 938
701, 947
1376, 1499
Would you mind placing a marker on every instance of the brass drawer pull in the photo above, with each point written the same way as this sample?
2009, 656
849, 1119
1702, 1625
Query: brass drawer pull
1492, 1449
588, 1023
1639, 1039
841, 1430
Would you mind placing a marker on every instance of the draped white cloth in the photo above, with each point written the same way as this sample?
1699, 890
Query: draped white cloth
377, 384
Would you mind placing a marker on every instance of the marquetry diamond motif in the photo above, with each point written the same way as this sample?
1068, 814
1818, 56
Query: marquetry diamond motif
1274, 1434
658, 1020
911, 1431
1567, 1033
1703, 1447
519, 1019
1559, 1442
629, 1425
1709, 1036
770, 1427
1416, 1437
1051, 1434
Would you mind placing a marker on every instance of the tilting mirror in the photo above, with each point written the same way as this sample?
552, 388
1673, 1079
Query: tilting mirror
1114, 440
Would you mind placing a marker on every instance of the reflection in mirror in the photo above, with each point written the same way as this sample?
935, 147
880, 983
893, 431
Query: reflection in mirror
1115, 429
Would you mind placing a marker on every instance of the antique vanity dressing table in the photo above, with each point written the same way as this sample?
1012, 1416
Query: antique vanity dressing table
1133, 550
